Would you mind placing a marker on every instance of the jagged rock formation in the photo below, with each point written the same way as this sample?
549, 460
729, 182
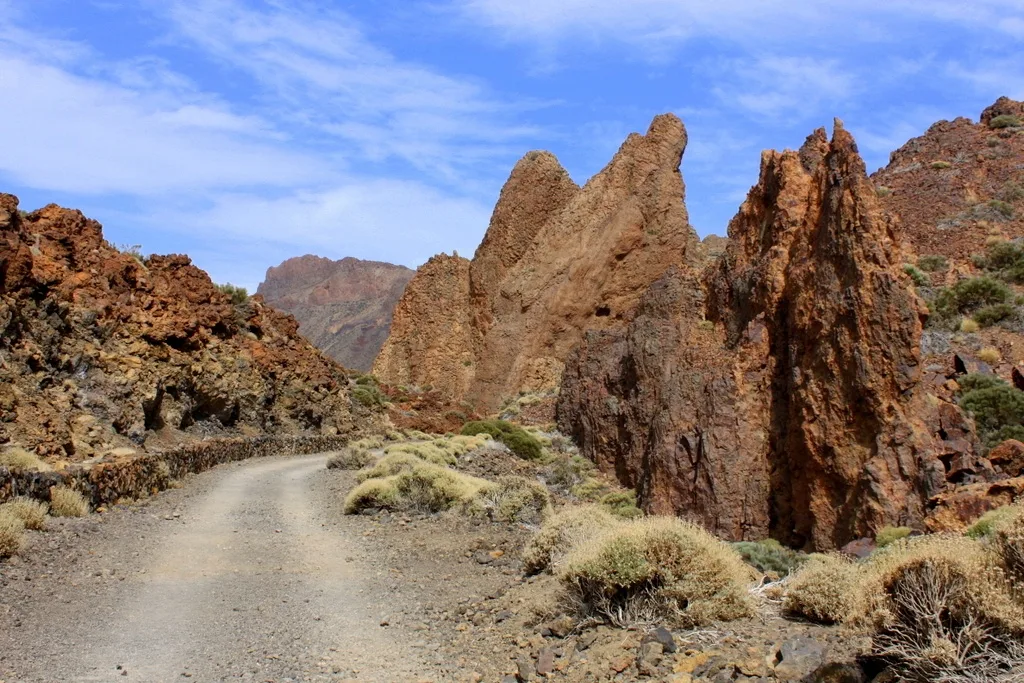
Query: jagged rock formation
344, 307
779, 391
101, 350
557, 260
958, 184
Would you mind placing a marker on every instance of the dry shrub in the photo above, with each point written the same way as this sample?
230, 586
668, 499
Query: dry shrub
32, 513
657, 569
367, 444
390, 465
823, 589
424, 487
566, 529
18, 459
969, 326
985, 526
1008, 541
990, 355
940, 609
512, 499
66, 502
12, 534
428, 452
890, 534
350, 459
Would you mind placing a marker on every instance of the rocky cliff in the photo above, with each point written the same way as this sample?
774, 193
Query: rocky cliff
779, 391
101, 349
960, 183
344, 307
556, 260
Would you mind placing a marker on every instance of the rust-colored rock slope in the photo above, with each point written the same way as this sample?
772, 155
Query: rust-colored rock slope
779, 392
955, 186
344, 307
101, 350
557, 260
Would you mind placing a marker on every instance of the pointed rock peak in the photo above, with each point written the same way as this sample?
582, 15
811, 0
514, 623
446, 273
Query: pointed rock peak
814, 149
844, 151
667, 126
539, 158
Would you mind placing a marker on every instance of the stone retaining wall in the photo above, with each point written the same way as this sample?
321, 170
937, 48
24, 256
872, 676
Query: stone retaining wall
105, 483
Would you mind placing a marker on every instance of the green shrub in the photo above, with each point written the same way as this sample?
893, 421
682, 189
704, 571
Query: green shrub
622, 504
369, 396
770, 556
1004, 121
985, 526
657, 569
563, 531
366, 381
512, 499
919, 278
932, 263
977, 380
238, 295
424, 487
32, 513
970, 294
890, 534
518, 440
1004, 209
1012, 192
823, 590
990, 315
994, 407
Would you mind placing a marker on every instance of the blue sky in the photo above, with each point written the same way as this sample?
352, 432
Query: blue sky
243, 132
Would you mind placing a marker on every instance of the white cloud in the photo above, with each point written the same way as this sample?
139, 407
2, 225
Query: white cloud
777, 85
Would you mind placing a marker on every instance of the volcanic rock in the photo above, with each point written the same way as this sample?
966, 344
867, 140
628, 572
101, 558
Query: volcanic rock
777, 392
958, 184
344, 307
556, 260
101, 349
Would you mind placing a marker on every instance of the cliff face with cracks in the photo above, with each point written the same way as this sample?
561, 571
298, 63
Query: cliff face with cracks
557, 260
101, 350
778, 391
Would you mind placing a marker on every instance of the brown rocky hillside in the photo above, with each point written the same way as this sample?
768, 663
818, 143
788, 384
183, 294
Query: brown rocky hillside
556, 260
344, 307
101, 349
959, 184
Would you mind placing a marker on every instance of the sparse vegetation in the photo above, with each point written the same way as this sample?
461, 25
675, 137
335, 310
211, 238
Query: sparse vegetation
133, 250
970, 294
939, 165
993, 408
66, 502
1004, 121
238, 295
20, 460
1008, 539
657, 569
989, 354
1012, 192
423, 486
512, 499
969, 326
569, 527
932, 263
919, 278
890, 534
985, 526
32, 513
518, 440
350, 459
12, 534
770, 556
823, 590
622, 504
369, 395
990, 315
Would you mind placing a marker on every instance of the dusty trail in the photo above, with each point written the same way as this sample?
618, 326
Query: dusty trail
248, 583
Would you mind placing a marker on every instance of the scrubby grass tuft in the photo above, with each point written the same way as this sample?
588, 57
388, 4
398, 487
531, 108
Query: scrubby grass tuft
350, 459
1005, 121
985, 526
622, 504
996, 313
823, 590
518, 440
66, 502
891, 534
657, 569
428, 452
12, 534
770, 556
423, 486
919, 278
512, 499
990, 355
32, 513
1008, 540
969, 326
18, 459
563, 531
932, 263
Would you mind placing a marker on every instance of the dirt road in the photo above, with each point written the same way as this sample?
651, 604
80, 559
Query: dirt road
245, 574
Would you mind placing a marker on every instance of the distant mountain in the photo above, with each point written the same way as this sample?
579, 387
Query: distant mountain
343, 307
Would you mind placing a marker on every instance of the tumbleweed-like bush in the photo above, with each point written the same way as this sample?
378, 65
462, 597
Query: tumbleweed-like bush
424, 487
512, 499
350, 459
32, 513
18, 459
657, 569
12, 534
562, 532
66, 502
823, 590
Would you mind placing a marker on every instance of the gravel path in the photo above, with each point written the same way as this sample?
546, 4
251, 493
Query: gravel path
247, 573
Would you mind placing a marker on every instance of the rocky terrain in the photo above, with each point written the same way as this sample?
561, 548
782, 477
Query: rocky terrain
344, 307
104, 350
556, 260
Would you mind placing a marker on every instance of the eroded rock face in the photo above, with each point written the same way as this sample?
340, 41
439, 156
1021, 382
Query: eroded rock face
101, 350
344, 307
777, 392
556, 260
958, 184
